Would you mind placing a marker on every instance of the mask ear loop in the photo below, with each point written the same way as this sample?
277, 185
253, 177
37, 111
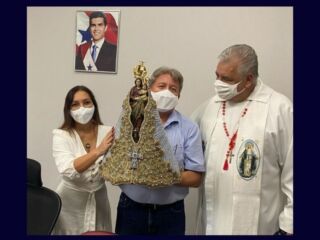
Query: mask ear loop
241, 91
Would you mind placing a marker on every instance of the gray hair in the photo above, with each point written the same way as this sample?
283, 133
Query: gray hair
247, 56
175, 74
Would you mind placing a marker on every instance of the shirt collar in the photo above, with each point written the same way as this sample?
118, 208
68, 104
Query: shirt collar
173, 118
260, 93
99, 43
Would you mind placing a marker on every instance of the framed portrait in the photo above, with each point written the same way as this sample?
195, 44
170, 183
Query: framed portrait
97, 41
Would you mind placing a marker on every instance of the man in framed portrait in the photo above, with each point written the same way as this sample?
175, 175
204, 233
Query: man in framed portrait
97, 54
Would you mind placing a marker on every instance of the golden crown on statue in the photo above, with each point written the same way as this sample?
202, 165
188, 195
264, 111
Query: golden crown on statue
140, 71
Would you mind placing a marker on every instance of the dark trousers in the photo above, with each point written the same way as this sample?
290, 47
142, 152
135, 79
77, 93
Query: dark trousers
149, 219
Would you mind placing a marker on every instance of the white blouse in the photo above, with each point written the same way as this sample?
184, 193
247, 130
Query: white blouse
85, 204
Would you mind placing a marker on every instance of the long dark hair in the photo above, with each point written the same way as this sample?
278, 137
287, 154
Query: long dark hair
69, 122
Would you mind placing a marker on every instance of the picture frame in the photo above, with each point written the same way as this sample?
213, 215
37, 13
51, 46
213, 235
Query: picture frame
97, 41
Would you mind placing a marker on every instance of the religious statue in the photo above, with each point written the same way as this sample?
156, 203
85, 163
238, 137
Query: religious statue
138, 99
141, 153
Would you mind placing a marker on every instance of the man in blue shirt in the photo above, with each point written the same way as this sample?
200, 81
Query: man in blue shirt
160, 211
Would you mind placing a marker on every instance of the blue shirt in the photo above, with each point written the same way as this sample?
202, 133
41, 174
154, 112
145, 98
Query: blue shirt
184, 137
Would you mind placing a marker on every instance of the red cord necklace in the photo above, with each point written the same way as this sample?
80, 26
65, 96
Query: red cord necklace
233, 139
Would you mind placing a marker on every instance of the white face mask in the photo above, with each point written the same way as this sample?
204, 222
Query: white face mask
165, 100
82, 115
226, 91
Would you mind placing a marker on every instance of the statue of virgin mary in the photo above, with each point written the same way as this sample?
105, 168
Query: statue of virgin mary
141, 153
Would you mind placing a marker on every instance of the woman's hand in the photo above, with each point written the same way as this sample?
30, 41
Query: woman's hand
106, 143
84, 162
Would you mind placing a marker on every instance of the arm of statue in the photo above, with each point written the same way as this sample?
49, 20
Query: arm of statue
142, 95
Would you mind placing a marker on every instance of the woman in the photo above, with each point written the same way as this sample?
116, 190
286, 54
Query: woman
78, 149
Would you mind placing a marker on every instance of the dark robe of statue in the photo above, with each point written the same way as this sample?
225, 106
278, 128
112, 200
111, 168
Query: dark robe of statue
138, 101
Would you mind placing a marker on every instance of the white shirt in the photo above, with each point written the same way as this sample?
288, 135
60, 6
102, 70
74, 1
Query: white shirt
85, 204
225, 202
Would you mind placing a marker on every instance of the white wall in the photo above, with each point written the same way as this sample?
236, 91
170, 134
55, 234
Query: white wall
187, 38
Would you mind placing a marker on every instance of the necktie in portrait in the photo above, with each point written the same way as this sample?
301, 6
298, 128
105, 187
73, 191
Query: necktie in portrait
94, 52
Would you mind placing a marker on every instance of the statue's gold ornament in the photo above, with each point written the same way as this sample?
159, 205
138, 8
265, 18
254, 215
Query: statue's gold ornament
140, 71
141, 153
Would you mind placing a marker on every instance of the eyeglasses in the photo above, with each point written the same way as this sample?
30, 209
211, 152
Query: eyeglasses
77, 105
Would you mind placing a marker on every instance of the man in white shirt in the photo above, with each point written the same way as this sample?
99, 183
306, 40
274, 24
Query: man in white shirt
247, 132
